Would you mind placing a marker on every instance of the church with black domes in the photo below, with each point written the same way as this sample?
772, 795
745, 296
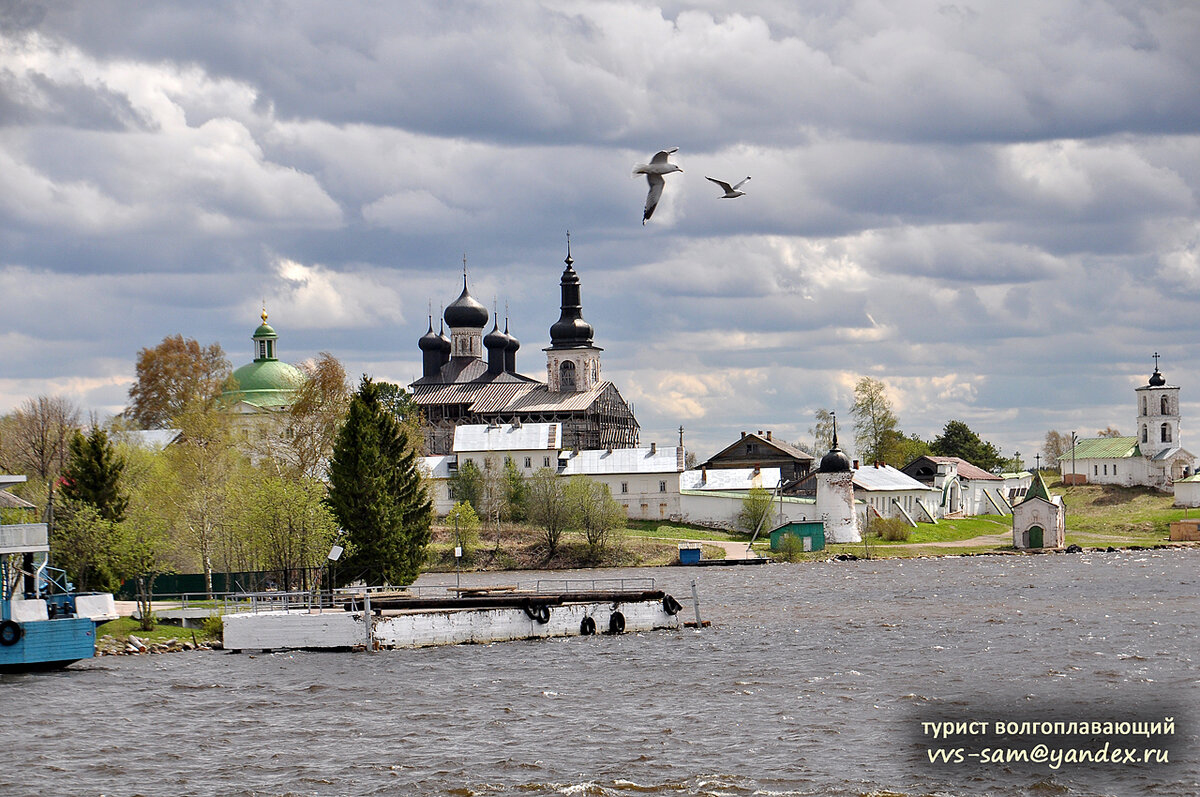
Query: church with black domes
459, 385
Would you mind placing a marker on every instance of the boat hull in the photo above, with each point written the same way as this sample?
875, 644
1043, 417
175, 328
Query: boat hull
49, 644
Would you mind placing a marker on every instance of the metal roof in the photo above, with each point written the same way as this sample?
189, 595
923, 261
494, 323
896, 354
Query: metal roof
1168, 453
437, 467
965, 469
885, 478
508, 437
621, 460
1102, 448
505, 397
729, 479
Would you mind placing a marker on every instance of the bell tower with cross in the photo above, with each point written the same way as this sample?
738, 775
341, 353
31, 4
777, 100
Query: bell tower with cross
1158, 420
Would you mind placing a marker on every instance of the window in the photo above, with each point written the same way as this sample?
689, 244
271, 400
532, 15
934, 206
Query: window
566, 376
1106, 470
662, 487
624, 487
1145, 434
450, 491
1166, 406
545, 462
1095, 470
528, 462
1145, 406
1114, 469
1166, 433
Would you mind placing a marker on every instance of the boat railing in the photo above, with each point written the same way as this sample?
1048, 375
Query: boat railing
642, 584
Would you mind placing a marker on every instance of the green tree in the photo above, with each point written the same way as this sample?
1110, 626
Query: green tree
287, 524
594, 512
1056, 444
315, 416
875, 433
465, 522
548, 507
957, 440
172, 376
146, 543
516, 492
822, 432
906, 448
376, 494
755, 512
93, 474
467, 485
400, 403
86, 546
201, 468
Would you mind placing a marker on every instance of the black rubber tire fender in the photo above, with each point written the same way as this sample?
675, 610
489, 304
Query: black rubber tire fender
670, 605
587, 627
543, 614
616, 623
10, 633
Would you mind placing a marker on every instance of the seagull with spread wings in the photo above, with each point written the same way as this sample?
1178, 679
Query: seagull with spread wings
654, 171
731, 191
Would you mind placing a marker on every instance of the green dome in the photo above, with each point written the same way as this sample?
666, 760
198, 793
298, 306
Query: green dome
265, 331
266, 383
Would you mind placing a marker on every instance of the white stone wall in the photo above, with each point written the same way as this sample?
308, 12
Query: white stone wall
336, 629
722, 509
642, 498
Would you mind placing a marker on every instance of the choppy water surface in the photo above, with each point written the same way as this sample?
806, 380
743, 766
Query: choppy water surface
813, 681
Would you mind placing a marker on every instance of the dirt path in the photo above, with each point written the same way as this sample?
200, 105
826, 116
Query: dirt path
733, 550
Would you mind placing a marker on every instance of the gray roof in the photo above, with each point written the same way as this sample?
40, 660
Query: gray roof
508, 437
149, 439
437, 467
885, 478
622, 460
729, 479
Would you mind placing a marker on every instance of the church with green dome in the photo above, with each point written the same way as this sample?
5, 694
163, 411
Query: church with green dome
265, 385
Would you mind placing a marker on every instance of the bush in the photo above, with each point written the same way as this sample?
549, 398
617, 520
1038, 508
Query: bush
892, 529
214, 626
791, 548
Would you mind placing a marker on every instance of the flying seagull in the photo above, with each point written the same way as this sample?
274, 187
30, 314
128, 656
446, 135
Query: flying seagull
731, 191
654, 171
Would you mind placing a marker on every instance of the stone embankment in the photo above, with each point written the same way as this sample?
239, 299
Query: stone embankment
109, 645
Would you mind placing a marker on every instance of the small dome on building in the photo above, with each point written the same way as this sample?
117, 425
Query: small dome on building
465, 311
835, 461
1157, 379
495, 339
430, 341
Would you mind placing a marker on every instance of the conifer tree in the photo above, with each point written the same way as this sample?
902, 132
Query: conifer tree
376, 495
93, 475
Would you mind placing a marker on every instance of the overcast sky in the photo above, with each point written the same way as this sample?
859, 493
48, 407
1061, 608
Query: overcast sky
989, 206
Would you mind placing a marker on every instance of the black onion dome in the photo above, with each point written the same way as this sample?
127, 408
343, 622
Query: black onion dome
835, 461
513, 343
465, 311
1157, 379
445, 344
570, 330
430, 341
495, 339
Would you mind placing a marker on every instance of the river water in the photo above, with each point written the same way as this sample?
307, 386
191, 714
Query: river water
814, 679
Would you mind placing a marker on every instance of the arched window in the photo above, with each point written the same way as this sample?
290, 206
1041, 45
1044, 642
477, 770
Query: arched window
1166, 433
1145, 434
566, 375
1166, 406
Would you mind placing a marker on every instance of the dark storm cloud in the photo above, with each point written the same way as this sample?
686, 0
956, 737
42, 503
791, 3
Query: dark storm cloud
966, 201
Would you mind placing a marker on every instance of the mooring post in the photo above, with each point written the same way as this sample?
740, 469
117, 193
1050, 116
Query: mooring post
696, 605
367, 618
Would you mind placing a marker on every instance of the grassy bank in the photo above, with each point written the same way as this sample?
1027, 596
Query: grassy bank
124, 627
517, 546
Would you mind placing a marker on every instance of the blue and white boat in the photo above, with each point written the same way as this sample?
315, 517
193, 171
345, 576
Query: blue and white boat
43, 625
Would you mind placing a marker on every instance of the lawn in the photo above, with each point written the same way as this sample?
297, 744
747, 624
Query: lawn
123, 627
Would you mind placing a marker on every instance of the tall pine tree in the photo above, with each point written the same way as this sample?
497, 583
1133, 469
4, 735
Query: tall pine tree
376, 494
93, 475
